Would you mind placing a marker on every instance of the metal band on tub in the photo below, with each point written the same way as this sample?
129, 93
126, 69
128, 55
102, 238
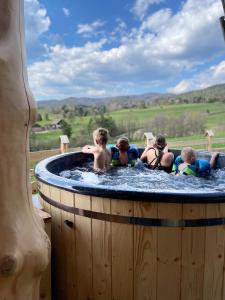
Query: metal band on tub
154, 222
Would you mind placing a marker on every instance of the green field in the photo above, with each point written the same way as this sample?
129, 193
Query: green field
214, 113
214, 116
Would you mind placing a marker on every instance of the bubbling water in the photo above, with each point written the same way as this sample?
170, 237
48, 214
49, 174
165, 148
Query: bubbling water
140, 178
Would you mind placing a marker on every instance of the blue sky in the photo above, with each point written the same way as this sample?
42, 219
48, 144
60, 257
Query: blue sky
96, 48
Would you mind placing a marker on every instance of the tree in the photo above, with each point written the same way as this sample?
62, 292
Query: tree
66, 128
142, 104
80, 111
102, 121
39, 117
46, 116
65, 109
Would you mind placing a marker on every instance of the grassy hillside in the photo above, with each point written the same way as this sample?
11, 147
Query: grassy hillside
211, 93
214, 118
214, 113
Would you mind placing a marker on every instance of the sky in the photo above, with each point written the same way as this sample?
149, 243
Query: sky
98, 48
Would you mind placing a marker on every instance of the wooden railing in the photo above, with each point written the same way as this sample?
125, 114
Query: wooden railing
202, 142
39, 155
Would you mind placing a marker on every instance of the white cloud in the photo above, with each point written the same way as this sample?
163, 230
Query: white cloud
37, 22
165, 46
181, 87
213, 75
90, 28
141, 7
157, 22
66, 11
96, 93
190, 36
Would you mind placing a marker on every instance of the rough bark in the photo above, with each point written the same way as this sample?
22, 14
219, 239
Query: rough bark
24, 246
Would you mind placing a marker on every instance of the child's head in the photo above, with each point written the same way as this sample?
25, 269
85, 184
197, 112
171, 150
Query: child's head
123, 143
160, 142
100, 136
188, 155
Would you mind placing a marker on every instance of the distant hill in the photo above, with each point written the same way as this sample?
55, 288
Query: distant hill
215, 93
149, 97
211, 94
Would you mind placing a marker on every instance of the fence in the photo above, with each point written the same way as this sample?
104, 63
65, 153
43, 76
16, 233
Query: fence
39, 155
203, 144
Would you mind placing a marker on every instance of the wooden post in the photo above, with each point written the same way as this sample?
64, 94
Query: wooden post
149, 138
209, 134
64, 143
24, 246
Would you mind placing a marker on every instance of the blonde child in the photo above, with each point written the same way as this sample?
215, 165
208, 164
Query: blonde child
102, 155
188, 164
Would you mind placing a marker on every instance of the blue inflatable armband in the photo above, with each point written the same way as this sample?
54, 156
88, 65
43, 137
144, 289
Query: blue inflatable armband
203, 167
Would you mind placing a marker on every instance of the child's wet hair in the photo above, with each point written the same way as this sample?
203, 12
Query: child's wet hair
160, 141
188, 153
122, 139
101, 135
123, 143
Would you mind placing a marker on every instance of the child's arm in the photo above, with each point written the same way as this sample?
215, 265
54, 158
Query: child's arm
213, 160
89, 149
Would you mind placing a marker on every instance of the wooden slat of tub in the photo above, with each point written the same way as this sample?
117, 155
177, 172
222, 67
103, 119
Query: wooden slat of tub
214, 255
40, 188
45, 189
69, 247
83, 250
169, 254
145, 253
222, 209
193, 254
102, 251
57, 253
45, 285
122, 252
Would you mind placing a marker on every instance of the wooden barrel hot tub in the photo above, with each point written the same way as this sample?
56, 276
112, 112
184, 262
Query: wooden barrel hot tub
109, 244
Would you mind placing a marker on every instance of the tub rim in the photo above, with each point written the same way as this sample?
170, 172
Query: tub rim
42, 174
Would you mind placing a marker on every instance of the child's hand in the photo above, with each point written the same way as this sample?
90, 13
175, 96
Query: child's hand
89, 149
86, 147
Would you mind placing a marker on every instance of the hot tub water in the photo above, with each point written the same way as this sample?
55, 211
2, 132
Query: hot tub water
142, 179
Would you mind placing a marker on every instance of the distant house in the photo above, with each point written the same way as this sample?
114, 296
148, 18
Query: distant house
37, 128
55, 125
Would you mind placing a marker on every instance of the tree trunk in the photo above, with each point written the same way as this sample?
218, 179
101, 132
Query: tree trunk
24, 246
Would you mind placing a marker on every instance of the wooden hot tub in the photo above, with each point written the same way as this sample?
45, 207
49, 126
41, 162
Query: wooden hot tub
110, 244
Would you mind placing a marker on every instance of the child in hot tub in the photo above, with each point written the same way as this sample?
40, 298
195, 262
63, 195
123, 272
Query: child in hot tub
188, 164
123, 154
102, 155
